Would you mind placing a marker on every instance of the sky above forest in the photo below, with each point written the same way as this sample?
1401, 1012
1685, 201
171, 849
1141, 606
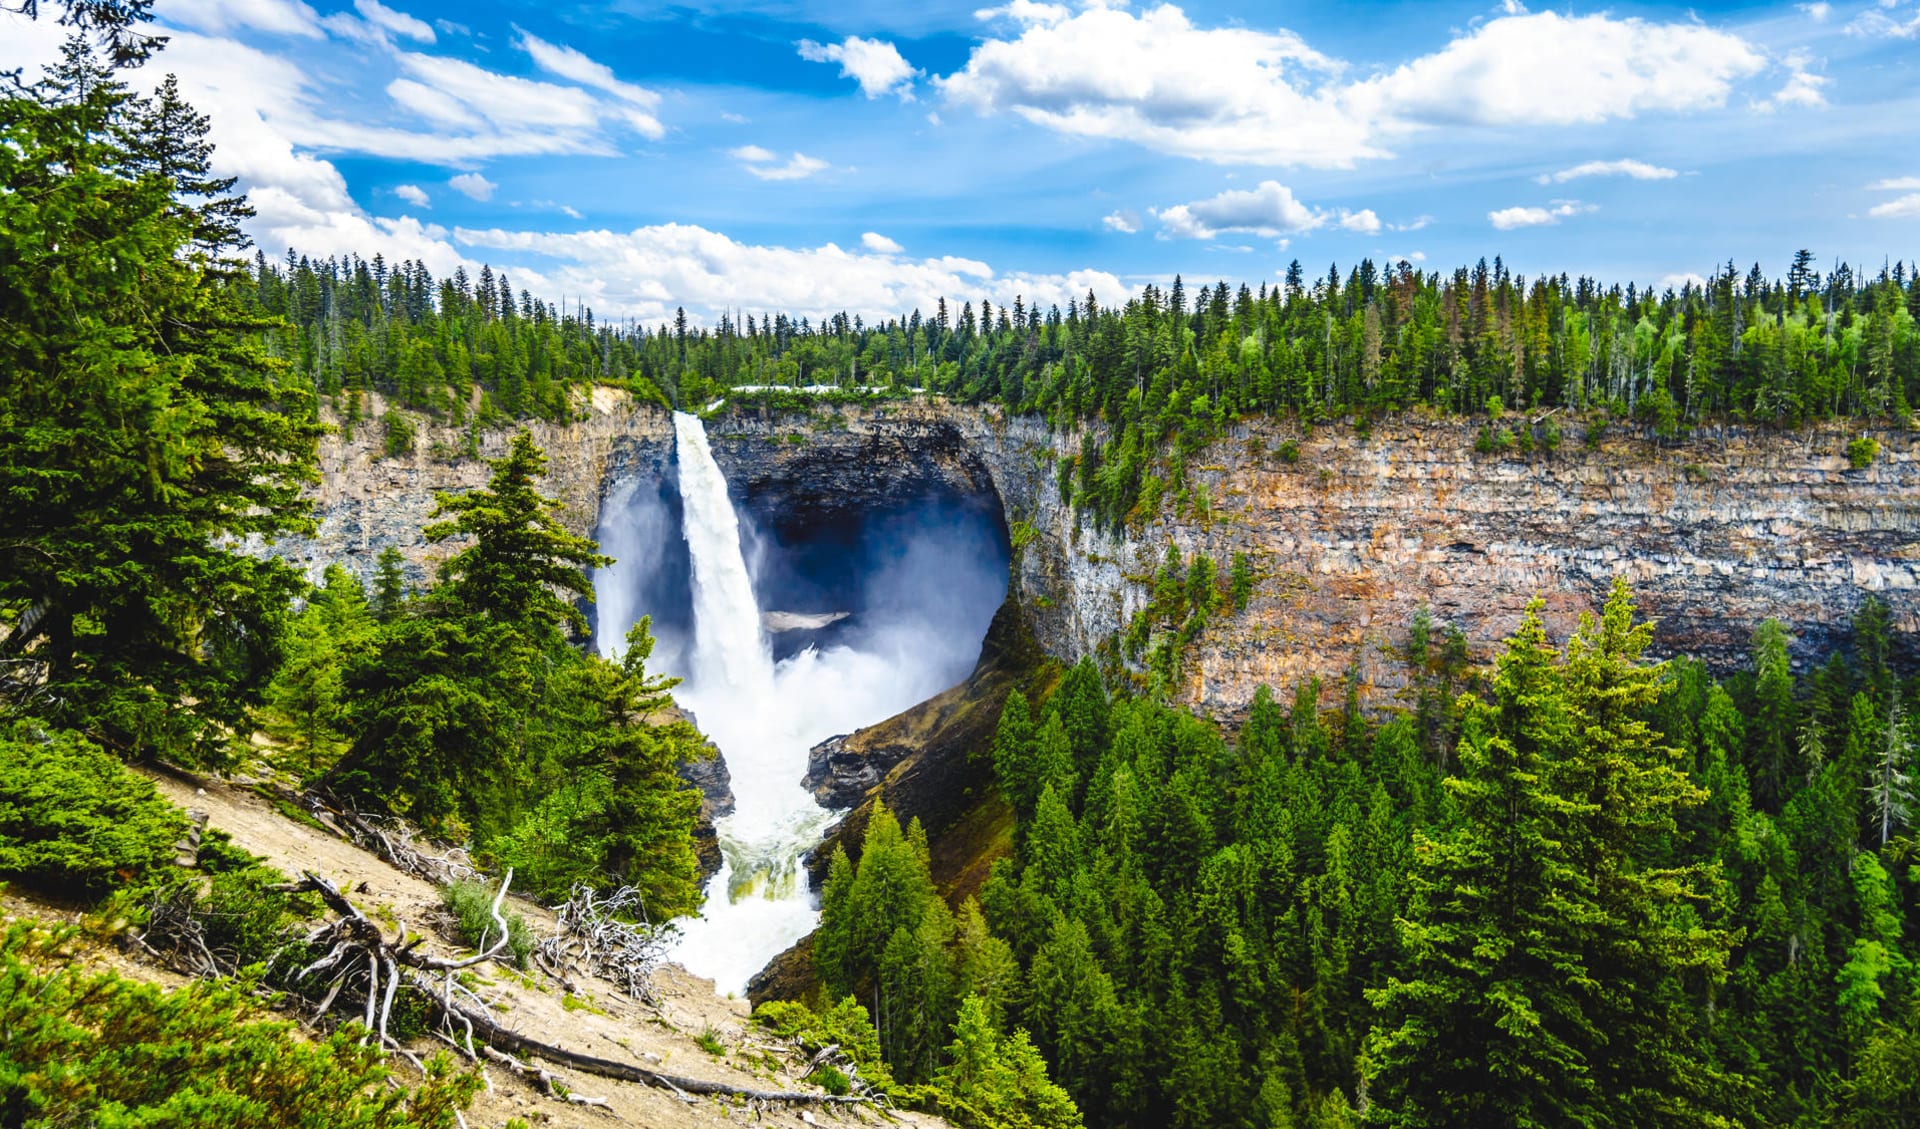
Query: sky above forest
870, 157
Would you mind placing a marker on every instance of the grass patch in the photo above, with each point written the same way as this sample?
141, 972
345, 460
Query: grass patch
471, 905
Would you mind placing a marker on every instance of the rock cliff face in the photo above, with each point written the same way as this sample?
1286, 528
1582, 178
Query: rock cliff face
1348, 541
367, 501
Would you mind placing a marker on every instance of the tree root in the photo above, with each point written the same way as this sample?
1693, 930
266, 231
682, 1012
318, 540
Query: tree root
357, 948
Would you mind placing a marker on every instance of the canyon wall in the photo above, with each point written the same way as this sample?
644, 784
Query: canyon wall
1348, 540
366, 500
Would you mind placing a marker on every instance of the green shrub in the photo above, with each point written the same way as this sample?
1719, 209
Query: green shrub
74, 819
829, 1078
87, 1047
471, 904
399, 433
1862, 451
845, 1025
1289, 452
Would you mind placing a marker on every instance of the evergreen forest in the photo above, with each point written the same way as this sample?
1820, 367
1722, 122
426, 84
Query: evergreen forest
1577, 887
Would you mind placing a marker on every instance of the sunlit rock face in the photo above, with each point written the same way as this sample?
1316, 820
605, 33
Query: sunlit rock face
1349, 541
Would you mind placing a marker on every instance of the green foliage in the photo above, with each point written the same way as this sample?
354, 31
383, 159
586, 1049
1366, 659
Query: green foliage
996, 1081
470, 711
398, 432
1561, 780
1861, 452
88, 1047
139, 443
471, 903
73, 819
846, 1025
521, 557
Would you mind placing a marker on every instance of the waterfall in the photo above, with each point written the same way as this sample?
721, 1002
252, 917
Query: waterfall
728, 649
916, 633
759, 902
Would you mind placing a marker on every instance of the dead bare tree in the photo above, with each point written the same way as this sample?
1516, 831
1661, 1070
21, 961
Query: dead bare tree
605, 936
359, 958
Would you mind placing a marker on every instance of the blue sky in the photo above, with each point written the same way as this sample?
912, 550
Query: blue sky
871, 157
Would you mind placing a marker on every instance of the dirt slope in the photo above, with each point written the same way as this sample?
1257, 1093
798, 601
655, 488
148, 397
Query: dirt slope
601, 1021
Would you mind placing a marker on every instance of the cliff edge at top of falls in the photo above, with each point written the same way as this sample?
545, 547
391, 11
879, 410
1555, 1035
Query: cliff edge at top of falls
1347, 540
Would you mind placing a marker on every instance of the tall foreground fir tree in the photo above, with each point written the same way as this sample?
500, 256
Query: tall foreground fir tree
1551, 947
143, 428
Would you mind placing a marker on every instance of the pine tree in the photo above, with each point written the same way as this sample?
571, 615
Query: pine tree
521, 556
138, 444
1889, 786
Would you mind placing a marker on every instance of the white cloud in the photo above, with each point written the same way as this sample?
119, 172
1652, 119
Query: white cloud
1238, 95
565, 62
399, 23
760, 162
473, 185
1818, 13
1802, 88
879, 244
1638, 170
1026, 12
1874, 25
1550, 69
1895, 184
433, 104
1126, 221
1507, 219
1229, 95
1362, 221
415, 195
647, 272
875, 64
1906, 207
278, 17
1681, 280
1412, 225
1268, 211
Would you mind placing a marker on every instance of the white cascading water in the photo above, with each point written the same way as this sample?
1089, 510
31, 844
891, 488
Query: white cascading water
926, 621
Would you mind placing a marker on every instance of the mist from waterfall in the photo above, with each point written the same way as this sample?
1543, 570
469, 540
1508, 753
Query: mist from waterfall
927, 586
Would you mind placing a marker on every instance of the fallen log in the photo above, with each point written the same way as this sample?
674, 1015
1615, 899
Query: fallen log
356, 944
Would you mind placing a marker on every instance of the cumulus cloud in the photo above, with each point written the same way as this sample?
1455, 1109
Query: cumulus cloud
277, 17
1239, 95
415, 195
1125, 221
1818, 13
875, 64
1680, 280
565, 62
879, 244
647, 272
763, 163
1508, 219
1230, 95
1638, 170
399, 23
1895, 184
1802, 88
1270, 210
473, 185
1549, 69
1906, 207
1362, 221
